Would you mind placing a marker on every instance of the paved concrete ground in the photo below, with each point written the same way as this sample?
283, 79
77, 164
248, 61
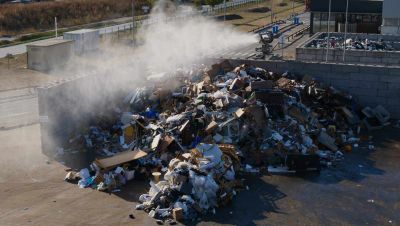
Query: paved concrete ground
363, 190
18, 110
289, 49
18, 99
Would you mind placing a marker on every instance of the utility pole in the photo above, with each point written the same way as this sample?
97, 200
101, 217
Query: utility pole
272, 11
224, 10
133, 20
292, 8
9, 56
345, 31
55, 26
329, 21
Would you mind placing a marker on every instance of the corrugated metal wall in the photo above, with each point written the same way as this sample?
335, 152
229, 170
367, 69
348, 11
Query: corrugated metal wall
391, 9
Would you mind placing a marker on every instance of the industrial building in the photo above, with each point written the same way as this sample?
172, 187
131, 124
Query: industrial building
49, 54
391, 17
364, 16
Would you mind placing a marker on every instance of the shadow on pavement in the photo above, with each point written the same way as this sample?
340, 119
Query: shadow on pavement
248, 206
259, 10
229, 17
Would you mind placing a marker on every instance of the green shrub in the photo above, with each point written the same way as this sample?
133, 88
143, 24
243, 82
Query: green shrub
197, 3
4, 42
213, 2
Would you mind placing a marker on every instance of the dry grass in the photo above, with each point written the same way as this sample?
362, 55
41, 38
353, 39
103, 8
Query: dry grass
40, 15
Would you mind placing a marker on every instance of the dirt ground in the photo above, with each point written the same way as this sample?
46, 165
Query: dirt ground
363, 190
14, 75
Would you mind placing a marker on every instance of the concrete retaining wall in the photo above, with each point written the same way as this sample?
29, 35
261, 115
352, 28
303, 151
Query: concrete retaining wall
370, 85
390, 58
61, 111
67, 108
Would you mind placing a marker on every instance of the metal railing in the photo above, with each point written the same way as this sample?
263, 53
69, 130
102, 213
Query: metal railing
297, 33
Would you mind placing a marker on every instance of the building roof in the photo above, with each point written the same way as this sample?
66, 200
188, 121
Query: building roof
355, 6
49, 42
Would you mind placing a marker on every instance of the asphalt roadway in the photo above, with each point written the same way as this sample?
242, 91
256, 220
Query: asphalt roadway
18, 108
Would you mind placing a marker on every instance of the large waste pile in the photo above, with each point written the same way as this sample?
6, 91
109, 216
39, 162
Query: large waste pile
194, 133
352, 43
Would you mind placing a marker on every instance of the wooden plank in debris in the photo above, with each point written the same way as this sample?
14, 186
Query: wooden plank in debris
283, 82
211, 127
120, 158
237, 84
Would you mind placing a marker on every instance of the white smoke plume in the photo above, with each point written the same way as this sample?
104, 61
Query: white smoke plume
185, 40
164, 46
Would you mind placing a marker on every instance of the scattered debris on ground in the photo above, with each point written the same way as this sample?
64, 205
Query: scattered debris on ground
197, 132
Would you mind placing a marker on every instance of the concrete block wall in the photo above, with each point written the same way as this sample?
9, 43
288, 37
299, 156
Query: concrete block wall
370, 85
68, 107
352, 56
374, 37
62, 110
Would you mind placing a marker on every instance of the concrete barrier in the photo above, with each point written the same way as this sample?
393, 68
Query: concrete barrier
66, 109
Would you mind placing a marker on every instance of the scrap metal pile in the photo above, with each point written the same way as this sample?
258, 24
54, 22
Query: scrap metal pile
195, 133
352, 44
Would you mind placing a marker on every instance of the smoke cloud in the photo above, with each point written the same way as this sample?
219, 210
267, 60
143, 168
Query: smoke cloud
186, 40
176, 40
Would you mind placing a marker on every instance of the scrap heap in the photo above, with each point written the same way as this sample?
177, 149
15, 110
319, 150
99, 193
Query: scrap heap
352, 44
198, 130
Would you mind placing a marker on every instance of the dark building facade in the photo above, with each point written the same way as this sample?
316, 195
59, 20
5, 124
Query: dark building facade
364, 16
